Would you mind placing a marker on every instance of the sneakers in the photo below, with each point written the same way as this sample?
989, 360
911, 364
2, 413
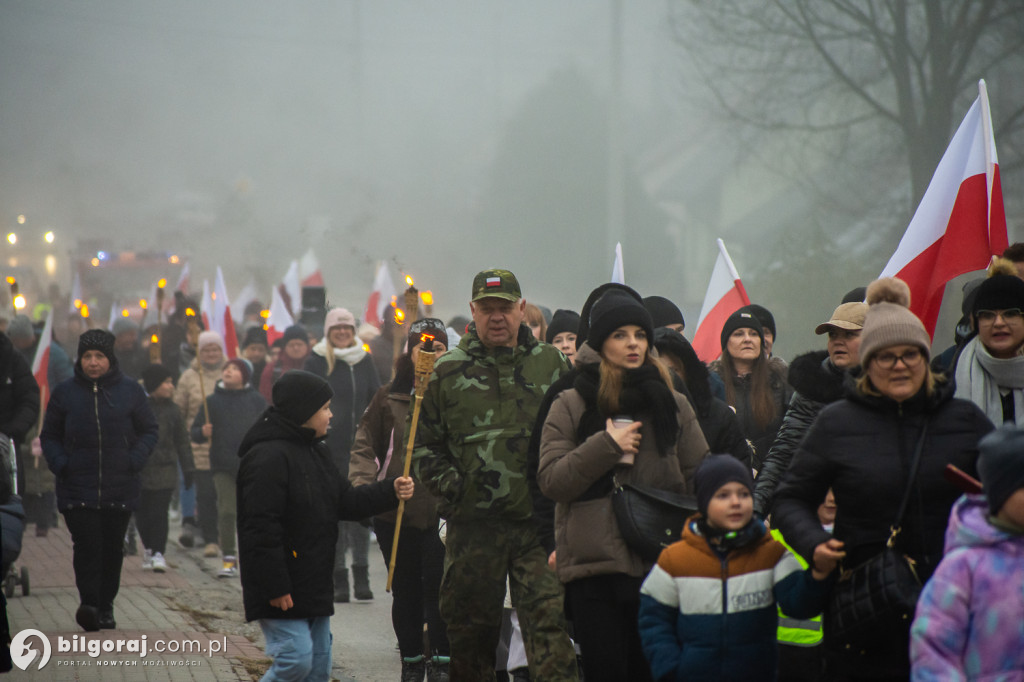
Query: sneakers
147, 560
229, 569
158, 563
187, 538
211, 550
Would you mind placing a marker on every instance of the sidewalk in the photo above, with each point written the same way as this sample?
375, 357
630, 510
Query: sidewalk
147, 612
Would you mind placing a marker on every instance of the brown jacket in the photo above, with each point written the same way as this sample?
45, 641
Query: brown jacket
189, 397
382, 428
587, 538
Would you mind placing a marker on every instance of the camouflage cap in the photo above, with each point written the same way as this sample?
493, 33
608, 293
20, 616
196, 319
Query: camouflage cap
496, 284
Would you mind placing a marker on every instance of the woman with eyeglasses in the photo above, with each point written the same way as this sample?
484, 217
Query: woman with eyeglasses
862, 447
990, 369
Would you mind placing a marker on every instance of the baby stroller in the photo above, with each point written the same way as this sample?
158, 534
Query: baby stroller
12, 521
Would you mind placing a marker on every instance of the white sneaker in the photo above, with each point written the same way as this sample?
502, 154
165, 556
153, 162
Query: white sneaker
159, 564
229, 569
147, 560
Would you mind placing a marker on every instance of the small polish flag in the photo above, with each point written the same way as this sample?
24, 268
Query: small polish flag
494, 281
725, 296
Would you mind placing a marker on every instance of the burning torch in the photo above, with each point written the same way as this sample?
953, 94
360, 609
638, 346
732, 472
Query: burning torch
424, 367
193, 340
16, 297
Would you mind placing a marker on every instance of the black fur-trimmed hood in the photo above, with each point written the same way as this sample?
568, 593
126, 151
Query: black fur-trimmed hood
814, 377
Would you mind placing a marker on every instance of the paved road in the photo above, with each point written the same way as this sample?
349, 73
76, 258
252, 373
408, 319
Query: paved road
187, 603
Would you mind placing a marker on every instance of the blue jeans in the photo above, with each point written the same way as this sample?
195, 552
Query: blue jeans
301, 649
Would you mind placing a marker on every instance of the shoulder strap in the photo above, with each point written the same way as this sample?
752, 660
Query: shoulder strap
914, 464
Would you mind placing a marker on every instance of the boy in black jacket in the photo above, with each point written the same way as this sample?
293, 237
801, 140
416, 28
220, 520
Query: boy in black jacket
290, 499
232, 408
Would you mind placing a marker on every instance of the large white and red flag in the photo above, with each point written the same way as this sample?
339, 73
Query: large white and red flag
220, 319
960, 223
309, 270
41, 361
380, 296
278, 319
205, 309
290, 289
725, 296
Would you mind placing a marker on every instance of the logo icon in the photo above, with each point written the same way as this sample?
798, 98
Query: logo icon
23, 655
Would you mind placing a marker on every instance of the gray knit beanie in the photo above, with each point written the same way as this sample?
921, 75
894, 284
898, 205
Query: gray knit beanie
889, 321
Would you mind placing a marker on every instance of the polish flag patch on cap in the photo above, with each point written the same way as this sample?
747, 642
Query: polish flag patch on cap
494, 281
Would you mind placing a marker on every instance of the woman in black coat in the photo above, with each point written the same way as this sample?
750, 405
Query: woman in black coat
862, 447
340, 358
97, 434
290, 499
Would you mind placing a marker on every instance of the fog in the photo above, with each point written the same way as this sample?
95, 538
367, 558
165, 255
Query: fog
242, 134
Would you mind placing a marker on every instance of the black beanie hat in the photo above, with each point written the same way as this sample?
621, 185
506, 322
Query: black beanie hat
298, 395
999, 292
296, 331
613, 310
583, 333
153, 376
255, 335
1001, 465
764, 316
427, 325
244, 366
97, 339
741, 319
563, 321
663, 311
856, 295
714, 472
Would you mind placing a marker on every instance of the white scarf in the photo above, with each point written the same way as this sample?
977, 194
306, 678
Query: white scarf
979, 376
350, 356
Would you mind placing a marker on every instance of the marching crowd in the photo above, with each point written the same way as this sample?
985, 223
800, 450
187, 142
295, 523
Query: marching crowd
587, 499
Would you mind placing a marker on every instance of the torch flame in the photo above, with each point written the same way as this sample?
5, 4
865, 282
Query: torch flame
84, 310
426, 337
366, 347
427, 297
78, 303
408, 280
10, 280
399, 316
161, 283
143, 303
189, 312
154, 339
265, 314
394, 301
124, 312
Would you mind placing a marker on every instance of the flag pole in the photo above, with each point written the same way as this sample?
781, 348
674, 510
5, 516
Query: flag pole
424, 368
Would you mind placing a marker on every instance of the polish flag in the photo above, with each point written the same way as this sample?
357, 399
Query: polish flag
205, 309
618, 274
279, 318
309, 271
960, 223
183, 276
380, 296
290, 289
221, 321
41, 361
725, 296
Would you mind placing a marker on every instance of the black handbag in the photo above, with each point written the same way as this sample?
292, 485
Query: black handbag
868, 598
650, 519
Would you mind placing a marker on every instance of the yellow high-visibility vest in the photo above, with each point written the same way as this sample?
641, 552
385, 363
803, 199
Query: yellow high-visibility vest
794, 631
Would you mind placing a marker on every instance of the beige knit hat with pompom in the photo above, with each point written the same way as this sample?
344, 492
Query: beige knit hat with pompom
889, 321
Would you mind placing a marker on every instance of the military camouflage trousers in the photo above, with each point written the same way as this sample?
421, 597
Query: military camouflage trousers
480, 554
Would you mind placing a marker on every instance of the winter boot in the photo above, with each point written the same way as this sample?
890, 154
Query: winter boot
437, 669
412, 668
341, 585
361, 582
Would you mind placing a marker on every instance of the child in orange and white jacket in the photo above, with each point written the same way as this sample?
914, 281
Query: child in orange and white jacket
708, 607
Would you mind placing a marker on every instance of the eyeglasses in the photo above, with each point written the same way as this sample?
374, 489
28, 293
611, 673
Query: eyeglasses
911, 358
1010, 316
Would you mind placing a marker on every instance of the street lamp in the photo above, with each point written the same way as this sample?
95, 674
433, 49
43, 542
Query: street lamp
12, 238
48, 237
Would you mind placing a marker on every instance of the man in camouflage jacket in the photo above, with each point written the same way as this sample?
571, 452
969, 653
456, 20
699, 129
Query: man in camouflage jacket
474, 427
